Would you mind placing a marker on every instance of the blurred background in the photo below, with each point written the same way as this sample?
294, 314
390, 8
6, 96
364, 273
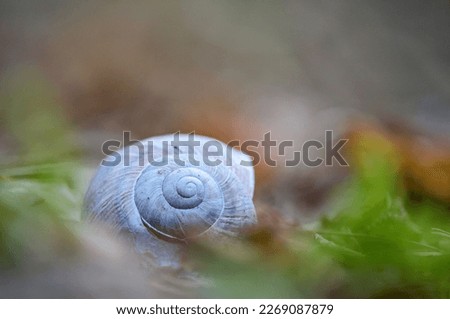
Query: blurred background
74, 75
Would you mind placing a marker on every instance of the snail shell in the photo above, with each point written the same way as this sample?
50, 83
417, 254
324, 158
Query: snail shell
162, 204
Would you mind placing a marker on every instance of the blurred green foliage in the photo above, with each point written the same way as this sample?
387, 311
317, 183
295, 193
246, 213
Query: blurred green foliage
38, 178
375, 242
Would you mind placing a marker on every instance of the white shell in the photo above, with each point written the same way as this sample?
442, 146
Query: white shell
162, 206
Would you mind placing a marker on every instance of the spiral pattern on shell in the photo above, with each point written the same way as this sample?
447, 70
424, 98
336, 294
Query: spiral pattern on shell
179, 203
164, 204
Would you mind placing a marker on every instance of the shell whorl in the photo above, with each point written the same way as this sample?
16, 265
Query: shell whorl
178, 203
173, 202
